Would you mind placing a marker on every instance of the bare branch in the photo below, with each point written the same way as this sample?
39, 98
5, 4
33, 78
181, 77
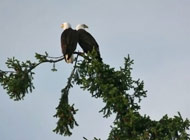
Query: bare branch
45, 61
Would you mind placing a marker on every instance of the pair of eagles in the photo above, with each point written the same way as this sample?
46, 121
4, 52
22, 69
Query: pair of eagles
70, 38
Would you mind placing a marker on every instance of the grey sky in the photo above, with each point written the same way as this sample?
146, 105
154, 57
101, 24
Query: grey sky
156, 34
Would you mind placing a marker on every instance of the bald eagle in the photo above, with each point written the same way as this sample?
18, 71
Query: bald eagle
87, 41
69, 39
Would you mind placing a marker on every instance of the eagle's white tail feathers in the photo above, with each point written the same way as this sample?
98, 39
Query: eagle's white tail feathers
70, 60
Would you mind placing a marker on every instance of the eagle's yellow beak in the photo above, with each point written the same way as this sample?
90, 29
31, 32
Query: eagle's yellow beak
62, 25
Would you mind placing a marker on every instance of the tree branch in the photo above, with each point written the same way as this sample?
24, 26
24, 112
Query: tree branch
45, 61
66, 89
65, 111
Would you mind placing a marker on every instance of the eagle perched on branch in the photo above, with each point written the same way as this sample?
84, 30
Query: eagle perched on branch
70, 38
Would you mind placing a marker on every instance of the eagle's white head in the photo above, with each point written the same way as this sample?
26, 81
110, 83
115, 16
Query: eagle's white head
65, 25
81, 26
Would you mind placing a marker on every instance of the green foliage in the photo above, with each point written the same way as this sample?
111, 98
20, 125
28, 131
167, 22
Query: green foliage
121, 95
118, 90
18, 82
116, 87
65, 112
41, 58
93, 139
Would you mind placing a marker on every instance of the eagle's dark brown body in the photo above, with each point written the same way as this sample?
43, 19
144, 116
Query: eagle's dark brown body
69, 39
87, 42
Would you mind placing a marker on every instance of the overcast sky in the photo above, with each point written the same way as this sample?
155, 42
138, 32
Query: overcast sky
156, 34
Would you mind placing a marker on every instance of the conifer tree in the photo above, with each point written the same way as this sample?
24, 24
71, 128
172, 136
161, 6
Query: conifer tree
118, 90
